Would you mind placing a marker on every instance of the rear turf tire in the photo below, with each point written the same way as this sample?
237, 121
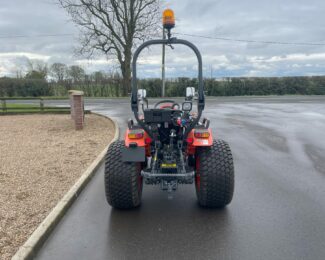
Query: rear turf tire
123, 181
214, 179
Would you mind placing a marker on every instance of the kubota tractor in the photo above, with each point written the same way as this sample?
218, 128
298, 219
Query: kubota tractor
168, 145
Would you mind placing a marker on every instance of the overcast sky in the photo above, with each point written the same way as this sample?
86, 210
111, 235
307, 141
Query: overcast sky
258, 20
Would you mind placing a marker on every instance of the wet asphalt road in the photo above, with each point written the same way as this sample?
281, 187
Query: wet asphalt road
278, 210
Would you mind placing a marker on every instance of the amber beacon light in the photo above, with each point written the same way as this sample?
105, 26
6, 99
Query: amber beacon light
168, 19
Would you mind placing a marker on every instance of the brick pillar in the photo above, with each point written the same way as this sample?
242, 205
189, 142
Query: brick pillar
77, 108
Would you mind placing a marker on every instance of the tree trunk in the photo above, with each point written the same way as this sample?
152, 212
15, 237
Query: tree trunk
126, 70
126, 80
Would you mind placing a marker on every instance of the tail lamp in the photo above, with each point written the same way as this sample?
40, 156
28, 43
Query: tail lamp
201, 134
147, 140
135, 134
189, 140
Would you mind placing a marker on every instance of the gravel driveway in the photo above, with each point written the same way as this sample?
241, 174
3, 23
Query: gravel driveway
41, 157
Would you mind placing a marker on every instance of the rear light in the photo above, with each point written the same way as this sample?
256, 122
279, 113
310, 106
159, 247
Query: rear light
201, 134
135, 134
190, 140
148, 140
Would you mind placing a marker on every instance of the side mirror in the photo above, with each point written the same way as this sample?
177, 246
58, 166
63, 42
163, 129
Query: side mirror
190, 92
142, 93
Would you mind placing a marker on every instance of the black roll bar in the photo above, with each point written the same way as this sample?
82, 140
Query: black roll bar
134, 95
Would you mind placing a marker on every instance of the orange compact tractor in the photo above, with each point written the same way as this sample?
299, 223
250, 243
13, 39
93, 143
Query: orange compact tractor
168, 145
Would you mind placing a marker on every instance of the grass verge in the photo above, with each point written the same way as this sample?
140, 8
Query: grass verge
26, 108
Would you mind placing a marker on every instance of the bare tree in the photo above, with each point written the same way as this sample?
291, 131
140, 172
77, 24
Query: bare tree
37, 67
114, 27
58, 71
76, 73
98, 76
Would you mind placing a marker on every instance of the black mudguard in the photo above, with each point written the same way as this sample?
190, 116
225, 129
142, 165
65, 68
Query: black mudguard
133, 154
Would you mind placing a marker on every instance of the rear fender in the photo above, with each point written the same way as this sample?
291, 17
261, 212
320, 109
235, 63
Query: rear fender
198, 142
140, 142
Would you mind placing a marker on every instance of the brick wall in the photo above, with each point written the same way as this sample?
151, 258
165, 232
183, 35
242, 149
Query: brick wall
77, 108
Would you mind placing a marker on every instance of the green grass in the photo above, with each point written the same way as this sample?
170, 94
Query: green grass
36, 98
22, 106
26, 108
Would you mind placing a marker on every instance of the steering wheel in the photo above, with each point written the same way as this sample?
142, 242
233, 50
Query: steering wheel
169, 104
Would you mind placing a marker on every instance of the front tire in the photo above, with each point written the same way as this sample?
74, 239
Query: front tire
123, 181
214, 178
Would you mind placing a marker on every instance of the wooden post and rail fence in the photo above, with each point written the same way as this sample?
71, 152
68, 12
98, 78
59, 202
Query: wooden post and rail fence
19, 105
10, 106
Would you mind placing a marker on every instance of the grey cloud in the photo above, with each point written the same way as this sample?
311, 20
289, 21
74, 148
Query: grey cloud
277, 20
